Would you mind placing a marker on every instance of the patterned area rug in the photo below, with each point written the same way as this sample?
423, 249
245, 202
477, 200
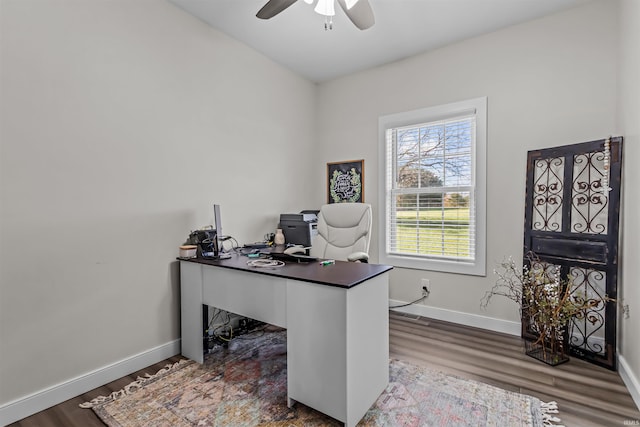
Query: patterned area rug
246, 385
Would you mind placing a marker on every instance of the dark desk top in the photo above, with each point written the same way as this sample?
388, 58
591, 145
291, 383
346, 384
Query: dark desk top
341, 274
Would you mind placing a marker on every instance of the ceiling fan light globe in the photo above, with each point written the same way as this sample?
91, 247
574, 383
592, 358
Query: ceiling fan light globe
325, 7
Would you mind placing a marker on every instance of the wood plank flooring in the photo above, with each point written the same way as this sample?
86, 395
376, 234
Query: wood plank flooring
587, 395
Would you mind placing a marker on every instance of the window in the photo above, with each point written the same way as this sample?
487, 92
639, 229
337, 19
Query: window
433, 167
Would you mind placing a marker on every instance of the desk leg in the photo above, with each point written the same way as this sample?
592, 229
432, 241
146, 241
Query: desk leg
191, 312
205, 327
338, 346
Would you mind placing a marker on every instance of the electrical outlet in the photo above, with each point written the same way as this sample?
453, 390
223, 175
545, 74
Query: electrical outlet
426, 287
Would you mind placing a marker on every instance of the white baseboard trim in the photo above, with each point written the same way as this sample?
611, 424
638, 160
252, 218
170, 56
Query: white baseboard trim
475, 320
43, 399
629, 379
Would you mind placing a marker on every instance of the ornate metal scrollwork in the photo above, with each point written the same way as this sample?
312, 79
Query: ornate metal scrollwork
589, 197
586, 333
547, 194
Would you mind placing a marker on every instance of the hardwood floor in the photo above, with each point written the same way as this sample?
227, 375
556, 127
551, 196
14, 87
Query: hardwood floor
587, 395
69, 414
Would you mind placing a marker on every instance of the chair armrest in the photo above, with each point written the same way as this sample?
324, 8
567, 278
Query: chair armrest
358, 257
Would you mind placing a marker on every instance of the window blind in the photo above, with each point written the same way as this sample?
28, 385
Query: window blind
430, 188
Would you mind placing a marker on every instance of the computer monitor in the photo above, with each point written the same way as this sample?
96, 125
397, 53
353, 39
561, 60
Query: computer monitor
218, 224
219, 236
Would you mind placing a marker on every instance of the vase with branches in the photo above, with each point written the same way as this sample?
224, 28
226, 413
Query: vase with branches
546, 304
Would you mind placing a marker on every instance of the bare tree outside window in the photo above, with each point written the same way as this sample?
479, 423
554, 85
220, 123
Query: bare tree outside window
433, 194
433, 179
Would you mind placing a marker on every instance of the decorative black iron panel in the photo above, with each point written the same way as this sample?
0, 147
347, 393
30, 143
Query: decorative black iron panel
589, 198
587, 328
547, 194
571, 221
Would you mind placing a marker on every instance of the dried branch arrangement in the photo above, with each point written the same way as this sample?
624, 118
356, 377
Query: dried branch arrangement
545, 299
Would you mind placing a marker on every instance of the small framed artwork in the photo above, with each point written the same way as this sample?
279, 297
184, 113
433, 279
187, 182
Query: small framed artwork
345, 182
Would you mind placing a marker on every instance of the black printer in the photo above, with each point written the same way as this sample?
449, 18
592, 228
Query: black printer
299, 228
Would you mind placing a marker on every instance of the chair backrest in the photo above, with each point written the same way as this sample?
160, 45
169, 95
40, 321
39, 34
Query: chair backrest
343, 228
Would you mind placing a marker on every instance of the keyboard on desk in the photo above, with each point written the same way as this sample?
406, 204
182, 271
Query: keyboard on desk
292, 257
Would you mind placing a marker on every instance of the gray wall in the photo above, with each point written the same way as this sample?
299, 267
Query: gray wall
122, 122
629, 125
549, 82
563, 79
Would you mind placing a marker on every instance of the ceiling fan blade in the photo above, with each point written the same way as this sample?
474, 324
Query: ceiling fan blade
274, 7
360, 14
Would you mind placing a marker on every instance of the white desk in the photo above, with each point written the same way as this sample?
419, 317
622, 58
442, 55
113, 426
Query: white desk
336, 318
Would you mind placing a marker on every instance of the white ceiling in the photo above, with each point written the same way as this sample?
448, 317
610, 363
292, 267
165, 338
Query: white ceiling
296, 37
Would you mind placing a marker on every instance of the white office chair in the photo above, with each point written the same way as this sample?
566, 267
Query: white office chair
344, 232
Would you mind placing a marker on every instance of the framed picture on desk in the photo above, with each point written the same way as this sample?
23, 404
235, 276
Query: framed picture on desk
345, 182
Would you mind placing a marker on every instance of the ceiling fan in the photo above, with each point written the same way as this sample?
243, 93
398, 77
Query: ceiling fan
358, 11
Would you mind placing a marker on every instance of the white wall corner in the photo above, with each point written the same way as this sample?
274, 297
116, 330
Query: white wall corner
43, 399
629, 379
473, 320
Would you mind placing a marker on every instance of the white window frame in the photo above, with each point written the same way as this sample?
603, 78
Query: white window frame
477, 266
